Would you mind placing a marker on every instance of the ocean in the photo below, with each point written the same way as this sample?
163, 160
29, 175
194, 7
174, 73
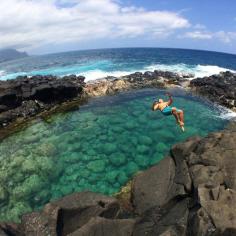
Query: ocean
99, 63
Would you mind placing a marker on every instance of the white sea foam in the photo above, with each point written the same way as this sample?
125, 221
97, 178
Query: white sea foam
98, 74
2, 72
92, 74
196, 70
226, 113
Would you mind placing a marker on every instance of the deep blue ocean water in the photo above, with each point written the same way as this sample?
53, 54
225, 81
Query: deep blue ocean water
99, 63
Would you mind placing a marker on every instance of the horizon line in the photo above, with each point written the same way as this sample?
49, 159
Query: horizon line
148, 47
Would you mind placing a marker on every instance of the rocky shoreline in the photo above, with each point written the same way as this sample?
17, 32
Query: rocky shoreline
26, 97
190, 192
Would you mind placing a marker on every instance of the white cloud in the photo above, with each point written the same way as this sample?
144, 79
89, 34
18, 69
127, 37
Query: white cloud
197, 35
26, 23
225, 37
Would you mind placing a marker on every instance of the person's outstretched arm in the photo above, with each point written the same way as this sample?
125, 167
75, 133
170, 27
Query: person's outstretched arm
155, 106
170, 101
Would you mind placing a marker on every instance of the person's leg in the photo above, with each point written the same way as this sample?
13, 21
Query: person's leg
181, 117
175, 114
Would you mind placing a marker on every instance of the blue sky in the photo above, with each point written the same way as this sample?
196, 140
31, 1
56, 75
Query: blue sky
47, 26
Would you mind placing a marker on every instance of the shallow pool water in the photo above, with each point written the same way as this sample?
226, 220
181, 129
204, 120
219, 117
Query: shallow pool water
97, 148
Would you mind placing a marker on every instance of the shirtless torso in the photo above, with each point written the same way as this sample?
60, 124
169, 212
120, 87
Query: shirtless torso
166, 110
160, 106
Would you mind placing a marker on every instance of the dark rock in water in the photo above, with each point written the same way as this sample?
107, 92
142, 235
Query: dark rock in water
25, 97
219, 88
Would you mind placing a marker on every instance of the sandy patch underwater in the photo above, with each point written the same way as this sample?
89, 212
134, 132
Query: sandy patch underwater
98, 148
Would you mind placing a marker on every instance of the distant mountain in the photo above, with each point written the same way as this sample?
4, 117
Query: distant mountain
11, 54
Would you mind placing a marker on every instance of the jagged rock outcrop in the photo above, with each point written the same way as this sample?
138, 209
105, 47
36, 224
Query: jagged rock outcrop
219, 88
197, 193
25, 97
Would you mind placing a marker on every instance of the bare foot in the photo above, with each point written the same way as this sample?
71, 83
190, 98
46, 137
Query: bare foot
181, 124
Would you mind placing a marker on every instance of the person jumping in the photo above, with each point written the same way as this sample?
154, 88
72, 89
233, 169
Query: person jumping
167, 110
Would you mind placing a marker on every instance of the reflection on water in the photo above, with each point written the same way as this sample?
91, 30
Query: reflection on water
97, 148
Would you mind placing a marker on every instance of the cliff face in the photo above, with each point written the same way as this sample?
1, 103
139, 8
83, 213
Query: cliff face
190, 192
11, 54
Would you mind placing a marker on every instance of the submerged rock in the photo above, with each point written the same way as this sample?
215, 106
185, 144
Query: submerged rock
97, 166
117, 159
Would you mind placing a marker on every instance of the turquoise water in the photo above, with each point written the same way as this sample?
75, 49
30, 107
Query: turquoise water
121, 61
98, 148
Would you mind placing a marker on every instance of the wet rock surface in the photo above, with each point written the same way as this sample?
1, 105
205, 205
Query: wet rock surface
191, 192
219, 88
138, 80
25, 97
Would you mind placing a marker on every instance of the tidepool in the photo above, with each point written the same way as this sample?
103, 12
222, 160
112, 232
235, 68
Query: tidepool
98, 148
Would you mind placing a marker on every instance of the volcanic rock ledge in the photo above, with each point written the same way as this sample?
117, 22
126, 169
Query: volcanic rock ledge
219, 88
25, 97
191, 192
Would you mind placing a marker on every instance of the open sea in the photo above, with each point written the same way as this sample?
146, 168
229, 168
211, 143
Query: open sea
94, 64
